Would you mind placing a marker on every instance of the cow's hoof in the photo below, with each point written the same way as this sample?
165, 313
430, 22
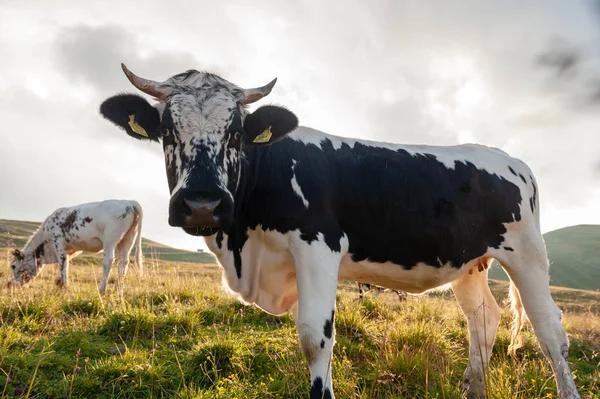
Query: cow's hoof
473, 389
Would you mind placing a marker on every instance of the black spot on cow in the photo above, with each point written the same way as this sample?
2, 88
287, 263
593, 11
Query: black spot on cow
316, 390
533, 199
322, 343
523, 178
328, 327
508, 249
128, 210
69, 223
39, 251
512, 171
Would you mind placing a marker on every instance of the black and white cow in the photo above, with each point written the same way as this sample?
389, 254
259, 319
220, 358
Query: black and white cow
110, 225
364, 288
289, 211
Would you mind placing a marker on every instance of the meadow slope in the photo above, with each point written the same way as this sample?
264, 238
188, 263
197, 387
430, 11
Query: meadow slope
176, 334
574, 254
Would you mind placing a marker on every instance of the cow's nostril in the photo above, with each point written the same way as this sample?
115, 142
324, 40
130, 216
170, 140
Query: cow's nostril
194, 205
202, 213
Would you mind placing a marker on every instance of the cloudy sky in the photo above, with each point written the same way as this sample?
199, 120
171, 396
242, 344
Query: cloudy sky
522, 76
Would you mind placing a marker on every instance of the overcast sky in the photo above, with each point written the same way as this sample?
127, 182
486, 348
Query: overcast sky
434, 72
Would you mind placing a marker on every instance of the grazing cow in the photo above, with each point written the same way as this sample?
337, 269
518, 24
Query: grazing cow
289, 211
108, 225
364, 287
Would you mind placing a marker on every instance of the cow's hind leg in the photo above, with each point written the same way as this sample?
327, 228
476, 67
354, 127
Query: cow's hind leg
317, 275
107, 261
123, 252
483, 314
528, 268
122, 265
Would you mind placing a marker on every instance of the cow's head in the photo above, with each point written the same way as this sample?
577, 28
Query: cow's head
24, 267
203, 123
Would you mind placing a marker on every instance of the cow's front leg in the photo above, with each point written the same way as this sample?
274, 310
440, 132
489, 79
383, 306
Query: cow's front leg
317, 267
62, 275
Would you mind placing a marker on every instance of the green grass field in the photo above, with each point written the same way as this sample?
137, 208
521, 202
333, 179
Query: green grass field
176, 334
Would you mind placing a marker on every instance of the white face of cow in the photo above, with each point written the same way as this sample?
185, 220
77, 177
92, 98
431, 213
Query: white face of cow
24, 267
204, 126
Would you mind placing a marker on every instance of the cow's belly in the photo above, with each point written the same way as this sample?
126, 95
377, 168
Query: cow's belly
90, 245
419, 279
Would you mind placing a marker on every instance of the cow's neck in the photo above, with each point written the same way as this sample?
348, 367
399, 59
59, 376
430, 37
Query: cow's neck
36, 244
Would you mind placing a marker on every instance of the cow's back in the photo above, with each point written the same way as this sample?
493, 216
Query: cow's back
399, 204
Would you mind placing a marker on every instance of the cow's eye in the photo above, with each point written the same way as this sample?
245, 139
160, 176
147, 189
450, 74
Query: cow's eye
165, 131
237, 136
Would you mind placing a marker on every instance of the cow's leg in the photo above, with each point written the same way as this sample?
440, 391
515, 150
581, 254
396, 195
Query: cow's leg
63, 264
57, 275
360, 291
317, 276
528, 269
483, 314
123, 252
107, 261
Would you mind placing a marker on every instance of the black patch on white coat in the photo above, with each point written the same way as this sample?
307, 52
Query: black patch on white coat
69, 223
128, 210
328, 327
533, 199
416, 210
316, 390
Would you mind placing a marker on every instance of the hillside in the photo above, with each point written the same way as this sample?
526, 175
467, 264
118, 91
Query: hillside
19, 232
574, 254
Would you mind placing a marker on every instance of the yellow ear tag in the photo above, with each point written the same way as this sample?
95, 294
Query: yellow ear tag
264, 137
136, 127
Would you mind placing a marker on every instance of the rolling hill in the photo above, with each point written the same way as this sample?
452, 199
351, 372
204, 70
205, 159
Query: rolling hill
574, 254
19, 232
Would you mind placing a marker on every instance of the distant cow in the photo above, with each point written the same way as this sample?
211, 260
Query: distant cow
364, 287
110, 225
290, 210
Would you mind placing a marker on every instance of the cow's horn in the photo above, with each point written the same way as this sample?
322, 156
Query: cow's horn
150, 87
252, 95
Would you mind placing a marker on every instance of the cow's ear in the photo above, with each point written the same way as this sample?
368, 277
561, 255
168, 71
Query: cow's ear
133, 114
18, 254
268, 124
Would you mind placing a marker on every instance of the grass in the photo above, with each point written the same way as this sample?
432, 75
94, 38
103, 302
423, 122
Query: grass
176, 334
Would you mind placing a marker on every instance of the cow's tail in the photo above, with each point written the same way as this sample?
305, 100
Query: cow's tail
138, 239
516, 306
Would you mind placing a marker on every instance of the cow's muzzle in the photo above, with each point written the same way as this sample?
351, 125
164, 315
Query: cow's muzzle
198, 215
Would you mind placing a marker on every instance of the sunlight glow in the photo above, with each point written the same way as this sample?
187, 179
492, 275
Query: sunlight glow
460, 94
